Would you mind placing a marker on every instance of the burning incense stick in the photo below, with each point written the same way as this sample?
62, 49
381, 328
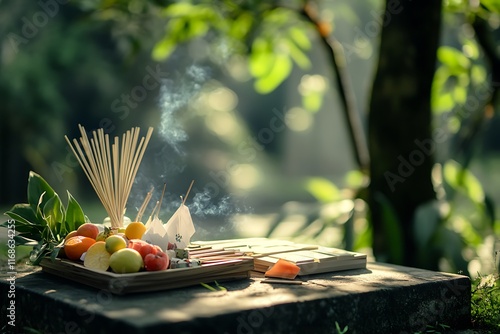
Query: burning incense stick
161, 199
111, 169
187, 193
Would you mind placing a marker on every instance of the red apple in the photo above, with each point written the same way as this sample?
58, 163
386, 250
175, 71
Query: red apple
144, 248
88, 230
136, 244
155, 262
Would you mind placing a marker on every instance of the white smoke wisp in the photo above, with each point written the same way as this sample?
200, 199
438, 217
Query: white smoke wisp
174, 95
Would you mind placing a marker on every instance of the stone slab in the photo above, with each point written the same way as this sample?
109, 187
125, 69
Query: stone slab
380, 299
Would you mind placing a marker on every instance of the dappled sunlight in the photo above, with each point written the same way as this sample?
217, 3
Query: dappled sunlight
298, 119
132, 312
223, 124
289, 226
222, 99
245, 176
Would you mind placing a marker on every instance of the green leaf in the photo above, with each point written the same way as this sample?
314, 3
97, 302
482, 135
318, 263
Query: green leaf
262, 57
460, 94
279, 72
323, 190
23, 213
181, 9
297, 55
454, 59
312, 101
492, 5
164, 48
74, 214
53, 214
241, 26
196, 28
37, 187
208, 287
462, 179
300, 38
23, 241
478, 74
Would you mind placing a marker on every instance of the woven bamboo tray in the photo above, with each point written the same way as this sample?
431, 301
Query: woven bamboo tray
148, 281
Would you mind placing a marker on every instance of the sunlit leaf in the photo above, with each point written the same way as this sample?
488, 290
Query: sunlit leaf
23, 213
279, 72
443, 103
181, 9
470, 48
354, 178
53, 212
312, 101
478, 74
163, 49
241, 25
363, 239
453, 58
492, 5
262, 57
462, 179
323, 190
297, 55
300, 38
37, 186
460, 94
74, 214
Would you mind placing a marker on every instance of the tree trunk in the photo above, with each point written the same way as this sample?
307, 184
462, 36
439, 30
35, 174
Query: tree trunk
399, 125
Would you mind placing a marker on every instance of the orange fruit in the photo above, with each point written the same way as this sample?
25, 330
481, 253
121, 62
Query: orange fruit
74, 247
135, 230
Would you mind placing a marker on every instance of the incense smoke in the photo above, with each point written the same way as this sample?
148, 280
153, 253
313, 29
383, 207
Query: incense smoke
175, 94
211, 212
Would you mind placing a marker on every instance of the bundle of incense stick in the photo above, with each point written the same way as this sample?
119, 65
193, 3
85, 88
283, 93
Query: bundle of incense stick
210, 255
111, 169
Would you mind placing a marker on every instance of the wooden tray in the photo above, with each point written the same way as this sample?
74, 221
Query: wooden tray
148, 281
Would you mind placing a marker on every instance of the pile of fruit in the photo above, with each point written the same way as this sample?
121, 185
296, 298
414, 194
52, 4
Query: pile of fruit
122, 251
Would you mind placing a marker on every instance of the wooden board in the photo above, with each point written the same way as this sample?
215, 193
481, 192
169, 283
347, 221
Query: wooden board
311, 259
148, 280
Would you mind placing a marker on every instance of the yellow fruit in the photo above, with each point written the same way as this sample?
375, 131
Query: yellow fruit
114, 243
97, 257
135, 230
102, 236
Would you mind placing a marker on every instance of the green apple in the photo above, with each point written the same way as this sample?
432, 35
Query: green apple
126, 260
115, 243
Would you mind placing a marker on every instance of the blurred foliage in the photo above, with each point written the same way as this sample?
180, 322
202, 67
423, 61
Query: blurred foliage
274, 38
485, 301
273, 35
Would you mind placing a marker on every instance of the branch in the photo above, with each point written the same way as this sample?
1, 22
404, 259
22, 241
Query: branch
347, 98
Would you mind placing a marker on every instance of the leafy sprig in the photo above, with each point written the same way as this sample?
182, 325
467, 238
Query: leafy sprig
44, 222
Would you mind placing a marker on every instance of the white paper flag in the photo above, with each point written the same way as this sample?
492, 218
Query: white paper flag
180, 227
156, 234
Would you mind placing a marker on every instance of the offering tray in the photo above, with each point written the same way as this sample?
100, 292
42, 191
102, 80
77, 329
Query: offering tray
148, 281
